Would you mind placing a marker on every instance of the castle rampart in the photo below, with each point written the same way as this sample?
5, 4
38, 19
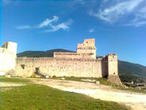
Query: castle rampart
71, 55
59, 67
82, 63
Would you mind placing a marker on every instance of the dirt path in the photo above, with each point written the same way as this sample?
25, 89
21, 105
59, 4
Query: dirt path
136, 101
10, 84
4, 86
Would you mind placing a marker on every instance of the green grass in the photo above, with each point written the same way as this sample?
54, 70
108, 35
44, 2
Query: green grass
39, 97
14, 79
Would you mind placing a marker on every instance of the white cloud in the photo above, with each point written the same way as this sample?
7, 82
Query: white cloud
23, 27
62, 26
140, 18
49, 25
114, 12
91, 30
48, 21
138, 23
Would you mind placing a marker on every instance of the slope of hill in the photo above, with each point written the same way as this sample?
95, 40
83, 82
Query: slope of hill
131, 68
48, 53
132, 72
127, 71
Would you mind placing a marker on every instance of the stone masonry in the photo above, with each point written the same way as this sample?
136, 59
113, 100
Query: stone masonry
8, 57
82, 63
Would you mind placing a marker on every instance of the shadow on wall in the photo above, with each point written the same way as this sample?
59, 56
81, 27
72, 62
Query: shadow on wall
38, 73
104, 69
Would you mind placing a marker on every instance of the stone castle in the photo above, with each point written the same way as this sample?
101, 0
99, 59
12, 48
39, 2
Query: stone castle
82, 63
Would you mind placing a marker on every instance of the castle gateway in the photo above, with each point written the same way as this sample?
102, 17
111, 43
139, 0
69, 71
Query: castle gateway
82, 63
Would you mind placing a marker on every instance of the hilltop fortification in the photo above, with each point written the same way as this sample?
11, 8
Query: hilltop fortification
82, 63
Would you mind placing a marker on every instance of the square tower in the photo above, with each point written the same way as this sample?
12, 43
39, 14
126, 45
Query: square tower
11, 47
8, 57
87, 47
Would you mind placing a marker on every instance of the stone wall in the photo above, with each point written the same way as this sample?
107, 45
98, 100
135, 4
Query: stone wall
7, 57
71, 55
87, 47
113, 69
59, 67
85, 50
112, 64
82, 63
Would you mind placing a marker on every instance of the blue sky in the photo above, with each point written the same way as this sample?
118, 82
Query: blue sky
118, 26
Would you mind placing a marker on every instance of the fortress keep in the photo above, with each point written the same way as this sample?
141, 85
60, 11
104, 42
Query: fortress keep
82, 63
85, 50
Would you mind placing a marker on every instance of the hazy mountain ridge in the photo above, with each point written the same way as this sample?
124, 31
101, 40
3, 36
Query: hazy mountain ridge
132, 72
138, 69
48, 53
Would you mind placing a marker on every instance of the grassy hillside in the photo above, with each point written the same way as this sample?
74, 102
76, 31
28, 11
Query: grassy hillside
132, 72
131, 68
128, 71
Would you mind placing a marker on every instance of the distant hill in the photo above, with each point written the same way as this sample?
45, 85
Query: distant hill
127, 71
48, 53
131, 71
131, 68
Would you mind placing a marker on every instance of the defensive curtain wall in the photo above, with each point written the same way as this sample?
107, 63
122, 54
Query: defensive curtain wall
67, 67
59, 67
82, 63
